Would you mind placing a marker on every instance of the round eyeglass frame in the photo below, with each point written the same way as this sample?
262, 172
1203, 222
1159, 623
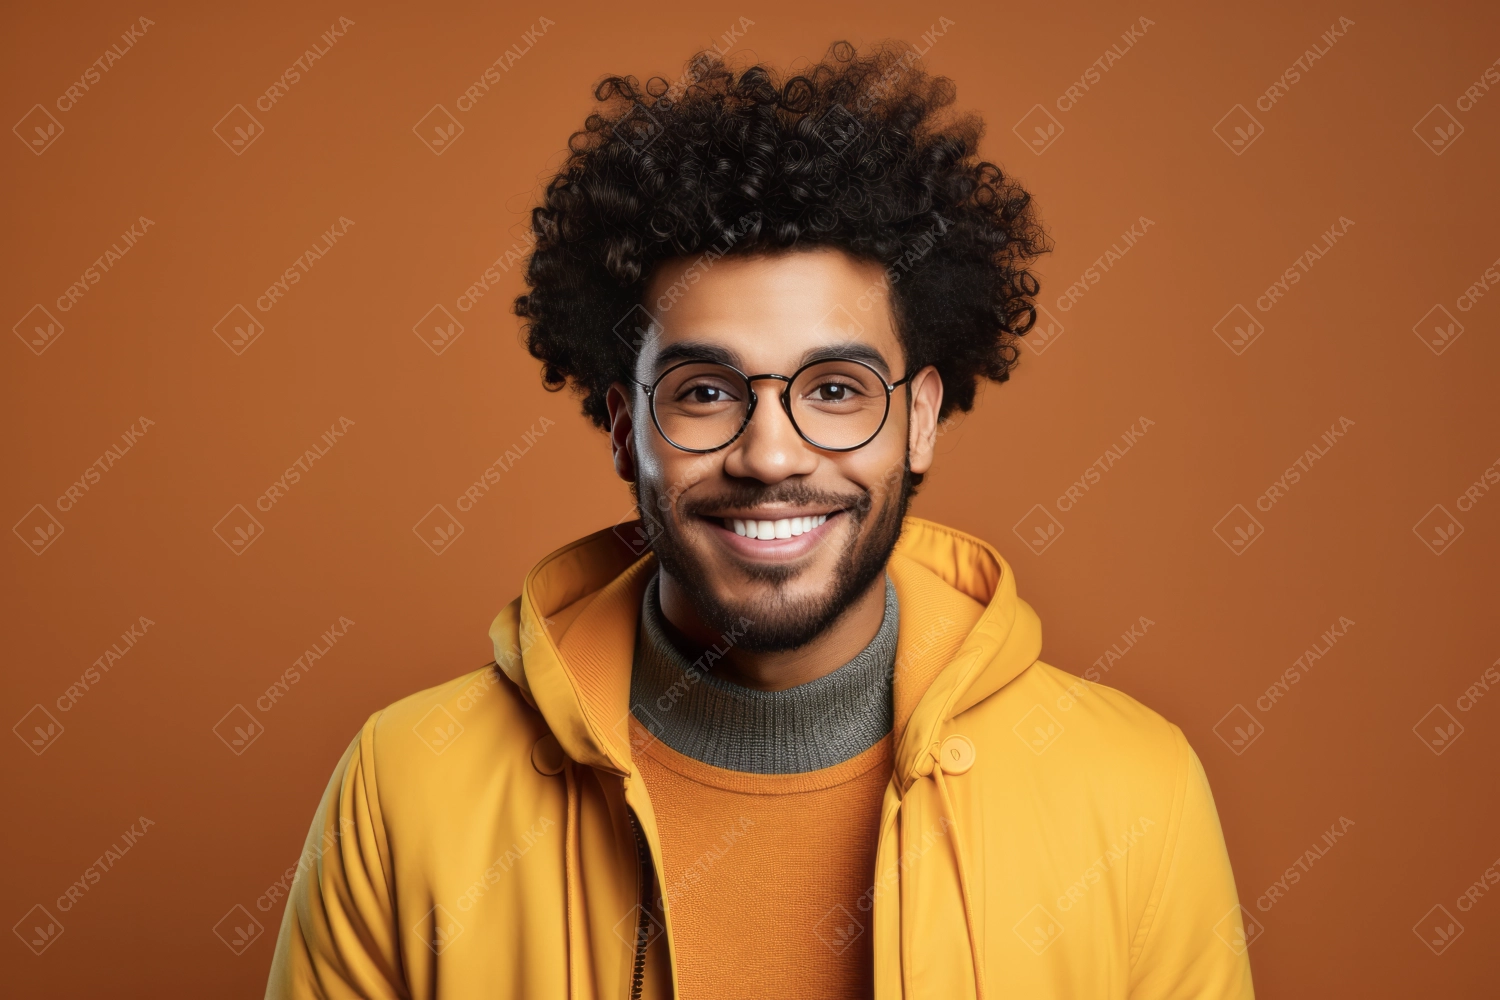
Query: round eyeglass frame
785, 396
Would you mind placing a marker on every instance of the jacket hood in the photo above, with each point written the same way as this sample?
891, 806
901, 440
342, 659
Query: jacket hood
568, 641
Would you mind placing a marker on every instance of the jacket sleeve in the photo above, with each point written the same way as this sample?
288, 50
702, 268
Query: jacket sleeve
1192, 941
338, 935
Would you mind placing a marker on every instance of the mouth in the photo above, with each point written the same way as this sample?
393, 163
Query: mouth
781, 527
755, 535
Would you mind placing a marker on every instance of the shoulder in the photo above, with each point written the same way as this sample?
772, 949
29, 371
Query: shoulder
1087, 737
1102, 711
445, 740
479, 695
1098, 714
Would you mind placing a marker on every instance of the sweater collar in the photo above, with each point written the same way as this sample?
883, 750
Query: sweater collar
812, 726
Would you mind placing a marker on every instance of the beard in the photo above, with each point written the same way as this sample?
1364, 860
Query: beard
779, 623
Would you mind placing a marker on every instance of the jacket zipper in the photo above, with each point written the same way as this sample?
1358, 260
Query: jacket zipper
643, 926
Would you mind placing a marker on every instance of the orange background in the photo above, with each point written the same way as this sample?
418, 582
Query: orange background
141, 741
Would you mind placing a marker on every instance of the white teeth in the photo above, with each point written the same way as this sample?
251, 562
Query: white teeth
786, 527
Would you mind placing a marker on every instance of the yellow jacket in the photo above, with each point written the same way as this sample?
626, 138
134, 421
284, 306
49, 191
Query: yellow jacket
1041, 836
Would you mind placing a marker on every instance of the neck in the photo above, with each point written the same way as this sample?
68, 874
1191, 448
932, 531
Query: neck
836, 645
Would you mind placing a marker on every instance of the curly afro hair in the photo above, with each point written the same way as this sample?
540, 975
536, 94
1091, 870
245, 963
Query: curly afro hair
855, 152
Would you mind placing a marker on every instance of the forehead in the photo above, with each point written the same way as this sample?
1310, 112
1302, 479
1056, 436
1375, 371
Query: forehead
769, 311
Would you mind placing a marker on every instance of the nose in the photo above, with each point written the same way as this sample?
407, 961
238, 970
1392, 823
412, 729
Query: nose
770, 449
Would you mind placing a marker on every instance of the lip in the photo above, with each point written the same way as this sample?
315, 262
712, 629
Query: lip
773, 549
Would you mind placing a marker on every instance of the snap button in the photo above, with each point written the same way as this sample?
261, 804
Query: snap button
957, 754
547, 755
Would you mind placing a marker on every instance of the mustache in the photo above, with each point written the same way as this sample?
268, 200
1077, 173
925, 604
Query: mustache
793, 494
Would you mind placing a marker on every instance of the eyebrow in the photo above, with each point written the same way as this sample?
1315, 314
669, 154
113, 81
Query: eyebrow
699, 350
695, 350
854, 351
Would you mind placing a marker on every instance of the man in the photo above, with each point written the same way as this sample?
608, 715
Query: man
776, 738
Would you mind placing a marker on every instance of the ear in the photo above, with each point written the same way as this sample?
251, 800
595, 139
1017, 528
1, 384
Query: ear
621, 431
926, 388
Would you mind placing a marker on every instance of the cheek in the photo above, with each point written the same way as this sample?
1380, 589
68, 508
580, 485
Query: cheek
657, 462
672, 473
878, 467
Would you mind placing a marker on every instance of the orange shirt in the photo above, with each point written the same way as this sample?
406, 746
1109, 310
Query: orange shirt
768, 877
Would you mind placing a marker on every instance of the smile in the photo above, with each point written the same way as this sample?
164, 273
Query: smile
785, 527
772, 539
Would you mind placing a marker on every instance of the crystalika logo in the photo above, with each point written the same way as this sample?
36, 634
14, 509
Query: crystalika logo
438, 529
1438, 130
238, 129
238, 729
38, 329
38, 729
438, 130
1038, 129
238, 929
438, 329
38, 929
1238, 129
38, 529
38, 130
1238, 729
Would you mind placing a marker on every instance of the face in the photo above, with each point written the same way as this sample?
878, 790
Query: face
825, 521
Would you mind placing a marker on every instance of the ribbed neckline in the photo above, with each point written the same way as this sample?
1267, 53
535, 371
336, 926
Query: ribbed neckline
806, 728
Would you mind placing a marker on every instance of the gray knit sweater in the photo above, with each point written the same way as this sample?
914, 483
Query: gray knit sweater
804, 728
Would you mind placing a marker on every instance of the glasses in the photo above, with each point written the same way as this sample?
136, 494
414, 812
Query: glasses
838, 404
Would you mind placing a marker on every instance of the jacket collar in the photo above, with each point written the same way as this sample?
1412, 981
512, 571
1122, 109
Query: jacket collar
568, 641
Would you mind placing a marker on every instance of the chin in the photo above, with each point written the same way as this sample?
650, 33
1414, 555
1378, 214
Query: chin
784, 604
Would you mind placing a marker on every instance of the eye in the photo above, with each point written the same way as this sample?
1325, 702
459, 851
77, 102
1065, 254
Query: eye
833, 392
704, 392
